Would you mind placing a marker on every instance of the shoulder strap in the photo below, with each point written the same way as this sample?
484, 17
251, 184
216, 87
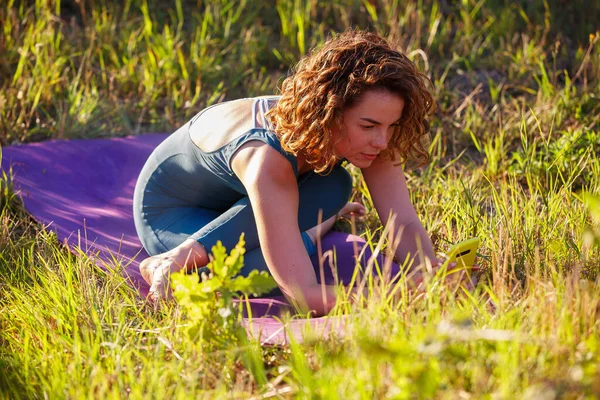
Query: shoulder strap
256, 103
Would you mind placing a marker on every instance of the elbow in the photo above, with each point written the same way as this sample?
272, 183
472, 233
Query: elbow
316, 299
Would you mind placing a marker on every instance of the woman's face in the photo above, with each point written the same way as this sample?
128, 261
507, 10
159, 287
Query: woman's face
368, 126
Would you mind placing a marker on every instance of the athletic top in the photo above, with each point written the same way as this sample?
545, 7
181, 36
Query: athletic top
180, 174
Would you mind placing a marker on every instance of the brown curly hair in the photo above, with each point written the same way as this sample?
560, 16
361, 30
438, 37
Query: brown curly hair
332, 78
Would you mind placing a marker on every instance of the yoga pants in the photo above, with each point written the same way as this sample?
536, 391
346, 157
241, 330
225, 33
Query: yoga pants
184, 193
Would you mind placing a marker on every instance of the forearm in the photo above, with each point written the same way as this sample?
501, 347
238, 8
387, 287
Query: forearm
320, 299
318, 231
414, 243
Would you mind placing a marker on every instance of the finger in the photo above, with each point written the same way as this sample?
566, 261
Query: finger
353, 207
360, 208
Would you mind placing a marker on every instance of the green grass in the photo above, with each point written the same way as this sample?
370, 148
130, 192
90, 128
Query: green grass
515, 151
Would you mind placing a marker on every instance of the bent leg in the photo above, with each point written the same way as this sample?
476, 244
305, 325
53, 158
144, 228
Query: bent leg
172, 227
324, 195
317, 194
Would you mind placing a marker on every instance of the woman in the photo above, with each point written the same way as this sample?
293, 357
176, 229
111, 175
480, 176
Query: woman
270, 167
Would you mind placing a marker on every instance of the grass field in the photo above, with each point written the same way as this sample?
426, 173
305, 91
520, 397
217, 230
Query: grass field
515, 152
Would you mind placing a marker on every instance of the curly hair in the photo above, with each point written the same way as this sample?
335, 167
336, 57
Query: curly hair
332, 78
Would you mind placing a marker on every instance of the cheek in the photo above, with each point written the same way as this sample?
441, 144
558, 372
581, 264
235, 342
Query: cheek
360, 142
352, 141
341, 146
340, 140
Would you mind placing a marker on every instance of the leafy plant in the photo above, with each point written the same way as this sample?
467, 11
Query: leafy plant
209, 303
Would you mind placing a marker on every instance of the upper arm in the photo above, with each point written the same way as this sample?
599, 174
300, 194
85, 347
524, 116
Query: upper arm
387, 186
271, 184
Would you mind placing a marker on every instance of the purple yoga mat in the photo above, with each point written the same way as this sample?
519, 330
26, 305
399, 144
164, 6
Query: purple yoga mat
83, 190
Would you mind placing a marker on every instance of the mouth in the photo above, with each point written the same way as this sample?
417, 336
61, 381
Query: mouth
369, 156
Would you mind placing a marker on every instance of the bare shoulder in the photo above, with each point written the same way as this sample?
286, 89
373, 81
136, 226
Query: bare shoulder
256, 161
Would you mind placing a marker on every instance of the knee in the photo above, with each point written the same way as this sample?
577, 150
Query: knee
339, 185
327, 193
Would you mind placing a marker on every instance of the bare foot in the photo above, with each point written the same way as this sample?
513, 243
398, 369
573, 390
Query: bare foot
156, 270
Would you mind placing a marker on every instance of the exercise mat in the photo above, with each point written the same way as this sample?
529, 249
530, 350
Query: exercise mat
83, 190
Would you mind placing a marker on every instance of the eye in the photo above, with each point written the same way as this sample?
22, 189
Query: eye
367, 127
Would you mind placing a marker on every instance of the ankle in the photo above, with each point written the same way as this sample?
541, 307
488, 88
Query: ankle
190, 254
312, 234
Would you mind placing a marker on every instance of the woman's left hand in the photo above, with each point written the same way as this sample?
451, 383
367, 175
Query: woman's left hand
352, 209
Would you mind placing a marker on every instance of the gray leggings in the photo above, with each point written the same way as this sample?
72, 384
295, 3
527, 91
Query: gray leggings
165, 230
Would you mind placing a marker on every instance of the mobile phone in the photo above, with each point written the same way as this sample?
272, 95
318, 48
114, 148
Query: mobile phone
463, 254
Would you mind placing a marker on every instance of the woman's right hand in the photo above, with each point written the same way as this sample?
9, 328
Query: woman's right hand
452, 279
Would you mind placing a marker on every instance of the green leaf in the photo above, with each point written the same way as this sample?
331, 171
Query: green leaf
226, 267
241, 284
256, 283
212, 316
218, 263
183, 284
208, 286
235, 261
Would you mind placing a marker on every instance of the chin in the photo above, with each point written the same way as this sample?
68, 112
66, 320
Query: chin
361, 163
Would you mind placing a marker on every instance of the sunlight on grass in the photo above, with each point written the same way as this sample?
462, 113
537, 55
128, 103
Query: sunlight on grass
515, 146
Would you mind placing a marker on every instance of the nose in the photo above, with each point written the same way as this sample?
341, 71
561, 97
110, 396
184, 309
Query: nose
380, 140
